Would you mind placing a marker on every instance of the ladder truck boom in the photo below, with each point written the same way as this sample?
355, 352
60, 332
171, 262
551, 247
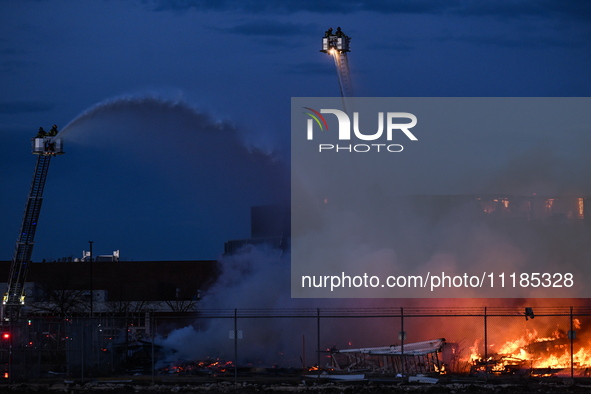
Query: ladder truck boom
45, 147
337, 45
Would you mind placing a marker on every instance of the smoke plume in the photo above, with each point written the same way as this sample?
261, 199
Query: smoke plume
164, 176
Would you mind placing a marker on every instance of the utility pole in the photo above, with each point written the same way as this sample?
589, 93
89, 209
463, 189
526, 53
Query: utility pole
91, 289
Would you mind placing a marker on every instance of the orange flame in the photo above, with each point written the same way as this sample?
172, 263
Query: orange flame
533, 351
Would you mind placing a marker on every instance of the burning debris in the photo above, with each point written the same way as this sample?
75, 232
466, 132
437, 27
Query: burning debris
204, 367
413, 358
535, 354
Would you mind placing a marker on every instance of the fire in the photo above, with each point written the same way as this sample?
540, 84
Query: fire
549, 203
200, 367
516, 348
532, 351
474, 356
442, 371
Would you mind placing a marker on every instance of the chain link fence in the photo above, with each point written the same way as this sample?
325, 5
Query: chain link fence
387, 342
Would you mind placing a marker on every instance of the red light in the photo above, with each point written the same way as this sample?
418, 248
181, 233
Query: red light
6, 335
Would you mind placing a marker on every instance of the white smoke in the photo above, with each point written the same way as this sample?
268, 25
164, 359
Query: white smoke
255, 278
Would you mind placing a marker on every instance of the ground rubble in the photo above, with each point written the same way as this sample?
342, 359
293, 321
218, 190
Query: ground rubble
566, 386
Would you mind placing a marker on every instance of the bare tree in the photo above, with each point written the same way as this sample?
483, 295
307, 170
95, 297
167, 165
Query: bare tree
129, 307
181, 305
61, 301
61, 297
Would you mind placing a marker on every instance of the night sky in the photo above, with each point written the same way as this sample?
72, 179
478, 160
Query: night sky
194, 125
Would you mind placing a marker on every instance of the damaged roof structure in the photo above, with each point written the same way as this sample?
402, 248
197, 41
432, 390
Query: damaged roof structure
417, 357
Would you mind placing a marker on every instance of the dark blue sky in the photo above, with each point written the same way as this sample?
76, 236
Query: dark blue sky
203, 131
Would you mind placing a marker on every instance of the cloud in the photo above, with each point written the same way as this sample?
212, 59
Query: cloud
579, 9
331, 6
511, 9
391, 46
253, 6
270, 28
18, 107
523, 42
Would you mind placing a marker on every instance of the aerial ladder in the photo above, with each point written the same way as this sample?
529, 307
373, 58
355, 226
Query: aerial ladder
45, 147
337, 45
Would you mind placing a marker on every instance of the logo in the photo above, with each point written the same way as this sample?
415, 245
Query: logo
344, 133
310, 124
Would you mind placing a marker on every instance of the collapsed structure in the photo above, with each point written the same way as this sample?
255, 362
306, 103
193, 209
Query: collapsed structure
412, 358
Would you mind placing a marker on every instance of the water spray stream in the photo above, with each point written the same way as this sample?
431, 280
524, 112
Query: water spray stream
127, 103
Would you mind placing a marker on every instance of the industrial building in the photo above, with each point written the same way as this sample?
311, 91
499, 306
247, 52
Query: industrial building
119, 286
269, 224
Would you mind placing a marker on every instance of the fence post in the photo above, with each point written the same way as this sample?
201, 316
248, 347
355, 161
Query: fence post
82, 347
402, 340
318, 327
571, 344
304, 360
152, 331
10, 350
485, 348
236, 345
66, 349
